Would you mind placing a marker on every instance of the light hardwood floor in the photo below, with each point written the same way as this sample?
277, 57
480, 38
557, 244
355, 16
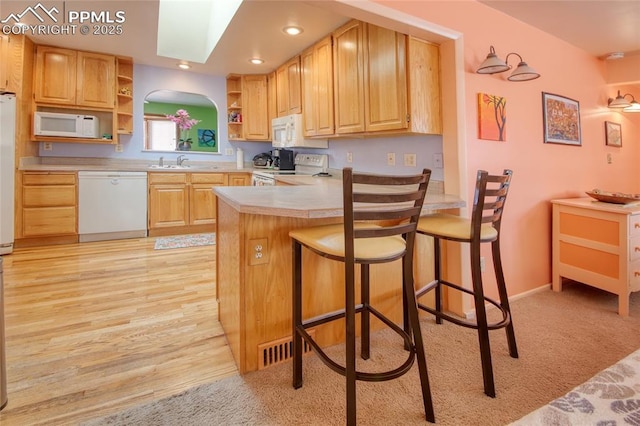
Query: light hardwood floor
93, 328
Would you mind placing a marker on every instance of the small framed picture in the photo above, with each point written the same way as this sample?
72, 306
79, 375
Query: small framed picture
561, 117
613, 133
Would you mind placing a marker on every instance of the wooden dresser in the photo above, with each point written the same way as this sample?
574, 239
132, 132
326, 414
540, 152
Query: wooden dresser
598, 244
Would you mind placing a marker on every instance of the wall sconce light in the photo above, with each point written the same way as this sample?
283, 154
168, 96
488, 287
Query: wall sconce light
621, 102
634, 107
493, 65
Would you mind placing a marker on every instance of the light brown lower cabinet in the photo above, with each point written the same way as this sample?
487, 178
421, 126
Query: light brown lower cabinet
239, 179
182, 202
49, 208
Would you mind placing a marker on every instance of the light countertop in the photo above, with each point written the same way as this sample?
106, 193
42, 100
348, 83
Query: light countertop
590, 203
322, 199
74, 164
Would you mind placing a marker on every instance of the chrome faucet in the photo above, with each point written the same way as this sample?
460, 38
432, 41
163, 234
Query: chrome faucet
161, 162
181, 159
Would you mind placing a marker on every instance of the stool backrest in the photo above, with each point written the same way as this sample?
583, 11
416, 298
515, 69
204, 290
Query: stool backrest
489, 199
391, 202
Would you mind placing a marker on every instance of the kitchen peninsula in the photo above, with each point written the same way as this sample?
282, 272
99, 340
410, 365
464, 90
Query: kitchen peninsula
253, 258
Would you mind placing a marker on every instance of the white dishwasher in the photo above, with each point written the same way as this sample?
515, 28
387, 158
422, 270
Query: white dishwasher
112, 205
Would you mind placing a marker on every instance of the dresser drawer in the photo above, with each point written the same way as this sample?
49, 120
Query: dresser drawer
634, 276
634, 226
634, 249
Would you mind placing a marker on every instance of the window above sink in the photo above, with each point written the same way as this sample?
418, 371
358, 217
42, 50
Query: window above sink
161, 134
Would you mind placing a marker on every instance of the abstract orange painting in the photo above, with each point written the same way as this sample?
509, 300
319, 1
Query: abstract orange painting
492, 117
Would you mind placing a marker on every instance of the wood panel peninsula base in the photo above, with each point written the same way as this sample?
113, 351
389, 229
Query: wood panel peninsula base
598, 244
254, 256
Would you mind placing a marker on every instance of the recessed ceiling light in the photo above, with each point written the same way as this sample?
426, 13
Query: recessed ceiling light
256, 61
184, 65
291, 30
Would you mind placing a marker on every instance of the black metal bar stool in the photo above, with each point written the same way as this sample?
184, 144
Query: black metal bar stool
380, 218
483, 227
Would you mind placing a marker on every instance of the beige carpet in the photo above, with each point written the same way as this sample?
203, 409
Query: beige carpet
563, 338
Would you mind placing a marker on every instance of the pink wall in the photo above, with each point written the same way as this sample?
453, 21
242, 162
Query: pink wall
542, 172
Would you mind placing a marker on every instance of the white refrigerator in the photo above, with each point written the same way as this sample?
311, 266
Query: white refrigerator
7, 169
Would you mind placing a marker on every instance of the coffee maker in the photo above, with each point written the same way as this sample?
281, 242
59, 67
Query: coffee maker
284, 159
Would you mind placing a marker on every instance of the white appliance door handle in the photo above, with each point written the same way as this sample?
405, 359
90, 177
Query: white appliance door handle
288, 134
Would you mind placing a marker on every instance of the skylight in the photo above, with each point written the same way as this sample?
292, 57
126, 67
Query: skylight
190, 29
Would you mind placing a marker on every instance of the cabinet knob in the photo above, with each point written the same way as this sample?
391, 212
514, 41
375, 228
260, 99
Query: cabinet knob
636, 274
636, 248
636, 225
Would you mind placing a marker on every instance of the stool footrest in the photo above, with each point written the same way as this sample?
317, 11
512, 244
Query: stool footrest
360, 375
506, 317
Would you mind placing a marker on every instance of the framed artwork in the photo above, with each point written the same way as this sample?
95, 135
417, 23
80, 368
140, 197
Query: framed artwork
207, 138
561, 118
613, 133
492, 117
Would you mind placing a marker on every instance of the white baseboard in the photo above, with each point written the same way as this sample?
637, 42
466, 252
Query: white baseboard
472, 313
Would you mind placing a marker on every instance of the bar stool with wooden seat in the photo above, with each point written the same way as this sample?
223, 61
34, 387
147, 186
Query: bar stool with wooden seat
379, 226
483, 227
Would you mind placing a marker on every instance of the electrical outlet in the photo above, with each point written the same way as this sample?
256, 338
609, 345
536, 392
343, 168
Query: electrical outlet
391, 158
609, 158
258, 251
228, 151
349, 157
48, 146
437, 160
119, 148
410, 160
482, 264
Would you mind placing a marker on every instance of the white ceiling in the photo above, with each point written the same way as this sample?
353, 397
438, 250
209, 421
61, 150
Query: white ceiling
598, 27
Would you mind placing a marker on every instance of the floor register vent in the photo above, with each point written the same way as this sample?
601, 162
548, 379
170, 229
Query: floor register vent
278, 351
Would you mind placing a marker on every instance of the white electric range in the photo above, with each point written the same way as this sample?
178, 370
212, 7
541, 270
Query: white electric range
305, 164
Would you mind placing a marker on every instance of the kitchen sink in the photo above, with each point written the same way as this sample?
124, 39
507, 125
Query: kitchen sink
169, 166
182, 167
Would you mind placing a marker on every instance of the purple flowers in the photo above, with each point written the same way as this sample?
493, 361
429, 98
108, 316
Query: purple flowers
182, 119
185, 123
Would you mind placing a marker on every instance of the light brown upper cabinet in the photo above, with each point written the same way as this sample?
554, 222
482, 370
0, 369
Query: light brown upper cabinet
255, 106
423, 71
4, 62
384, 81
69, 77
248, 107
348, 81
317, 88
288, 88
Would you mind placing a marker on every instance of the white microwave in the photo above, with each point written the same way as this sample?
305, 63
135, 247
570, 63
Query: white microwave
65, 125
288, 132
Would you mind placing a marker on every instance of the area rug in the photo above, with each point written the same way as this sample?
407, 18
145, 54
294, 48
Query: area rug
611, 397
181, 241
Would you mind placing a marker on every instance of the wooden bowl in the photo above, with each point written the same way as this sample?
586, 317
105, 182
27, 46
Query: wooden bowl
614, 197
